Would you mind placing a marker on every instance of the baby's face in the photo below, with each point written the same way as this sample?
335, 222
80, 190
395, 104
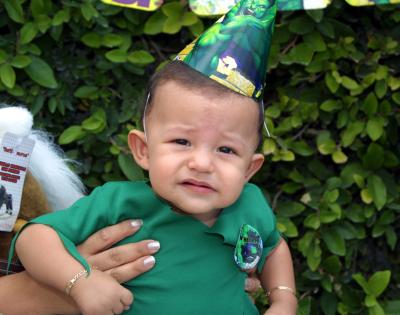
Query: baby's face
201, 148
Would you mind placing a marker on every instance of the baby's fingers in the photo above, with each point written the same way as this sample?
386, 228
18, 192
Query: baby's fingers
126, 299
118, 309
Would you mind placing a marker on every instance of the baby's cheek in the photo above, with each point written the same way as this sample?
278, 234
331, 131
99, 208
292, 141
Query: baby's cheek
233, 191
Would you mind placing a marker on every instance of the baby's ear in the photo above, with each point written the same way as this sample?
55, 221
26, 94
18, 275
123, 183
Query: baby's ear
256, 162
138, 145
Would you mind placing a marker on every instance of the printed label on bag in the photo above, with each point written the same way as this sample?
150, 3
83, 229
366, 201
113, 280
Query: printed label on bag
15, 153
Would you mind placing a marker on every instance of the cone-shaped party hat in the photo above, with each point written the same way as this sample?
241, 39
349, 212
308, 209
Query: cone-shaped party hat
234, 51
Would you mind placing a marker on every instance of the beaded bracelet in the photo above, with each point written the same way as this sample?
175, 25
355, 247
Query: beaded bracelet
71, 283
281, 287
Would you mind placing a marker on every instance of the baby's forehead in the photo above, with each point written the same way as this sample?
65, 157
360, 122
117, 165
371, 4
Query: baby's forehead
211, 102
175, 97
214, 92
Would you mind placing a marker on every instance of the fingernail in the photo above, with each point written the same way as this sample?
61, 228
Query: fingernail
149, 261
136, 223
153, 245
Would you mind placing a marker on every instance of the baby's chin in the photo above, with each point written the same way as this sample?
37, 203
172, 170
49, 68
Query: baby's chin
192, 210
198, 211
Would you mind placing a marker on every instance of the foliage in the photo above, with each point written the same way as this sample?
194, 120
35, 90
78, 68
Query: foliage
333, 106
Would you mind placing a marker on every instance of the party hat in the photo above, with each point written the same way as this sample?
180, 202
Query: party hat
234, 51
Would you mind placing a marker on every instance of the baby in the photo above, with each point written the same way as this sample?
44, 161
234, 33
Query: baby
199, 148
202, 125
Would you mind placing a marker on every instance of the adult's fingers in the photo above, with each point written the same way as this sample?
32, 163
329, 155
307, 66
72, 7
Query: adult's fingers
131, 270
123, 254
108, 236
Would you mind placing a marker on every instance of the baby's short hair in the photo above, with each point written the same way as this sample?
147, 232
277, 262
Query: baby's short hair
191, 79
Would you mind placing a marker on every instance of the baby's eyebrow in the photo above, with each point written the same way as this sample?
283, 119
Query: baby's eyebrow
180, 128
232, 137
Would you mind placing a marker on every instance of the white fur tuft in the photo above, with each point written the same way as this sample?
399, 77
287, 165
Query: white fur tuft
47, 164
61, 186
17, 120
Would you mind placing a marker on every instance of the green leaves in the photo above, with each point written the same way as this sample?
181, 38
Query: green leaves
290, 209
334, 241
331, 82
315, 41
87, 91
373, 288
314, 253
88, 11
375, 128
173, 11
61, 17
331, 105
93, 124
370, 104
7, 75
141, 58
3, 56
28, 33
374, 157
352, 131
117, 55
130, 169
71, 134
93, 40
14, 10
301, 25
112, 40
301, 54
96, 122
325, 144
21, 61
377, 189
349, 83
170, 19
155, 23
40, 72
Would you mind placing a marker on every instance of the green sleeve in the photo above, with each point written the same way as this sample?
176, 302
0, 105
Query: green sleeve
76, 223
273, 239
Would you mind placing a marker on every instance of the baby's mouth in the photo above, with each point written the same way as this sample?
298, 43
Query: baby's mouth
197, 186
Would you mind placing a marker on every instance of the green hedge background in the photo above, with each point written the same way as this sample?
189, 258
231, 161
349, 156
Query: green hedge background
333, 106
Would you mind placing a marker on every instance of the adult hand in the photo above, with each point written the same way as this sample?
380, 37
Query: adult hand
122, 262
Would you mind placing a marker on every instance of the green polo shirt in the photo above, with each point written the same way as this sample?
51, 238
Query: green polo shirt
195, 271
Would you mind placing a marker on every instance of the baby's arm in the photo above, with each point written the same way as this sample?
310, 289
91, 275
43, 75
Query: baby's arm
43, 255
278, 272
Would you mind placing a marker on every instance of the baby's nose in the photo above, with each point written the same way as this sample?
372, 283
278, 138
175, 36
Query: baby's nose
201, 161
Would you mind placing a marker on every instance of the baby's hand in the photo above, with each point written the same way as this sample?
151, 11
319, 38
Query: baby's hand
101, 294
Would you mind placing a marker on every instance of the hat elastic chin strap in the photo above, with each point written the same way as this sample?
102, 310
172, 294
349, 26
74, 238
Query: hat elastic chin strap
264, 123
144, 116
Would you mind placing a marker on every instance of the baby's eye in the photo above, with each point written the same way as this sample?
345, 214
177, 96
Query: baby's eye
182, 142
226, 150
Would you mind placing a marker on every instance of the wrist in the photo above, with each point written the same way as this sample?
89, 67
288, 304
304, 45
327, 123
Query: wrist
77, 283
281, 288
75, 279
